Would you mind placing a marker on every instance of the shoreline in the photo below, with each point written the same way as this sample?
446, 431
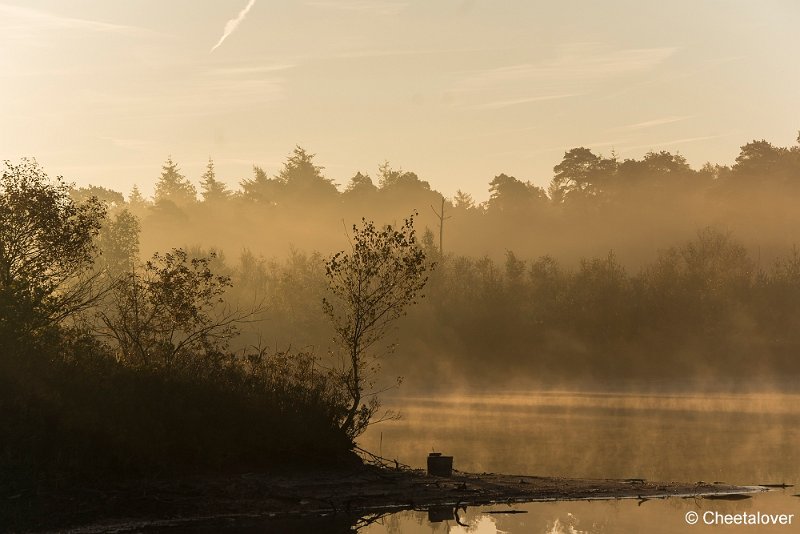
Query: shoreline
346, 493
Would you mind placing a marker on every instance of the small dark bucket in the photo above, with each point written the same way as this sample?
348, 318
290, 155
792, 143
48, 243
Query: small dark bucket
440, 466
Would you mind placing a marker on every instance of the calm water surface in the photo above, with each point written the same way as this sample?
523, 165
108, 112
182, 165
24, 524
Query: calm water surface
739, 439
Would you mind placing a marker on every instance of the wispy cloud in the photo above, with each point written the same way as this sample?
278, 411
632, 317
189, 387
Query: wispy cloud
651, 123
497, 104
365, 6
574, 62
24, 18
233, 23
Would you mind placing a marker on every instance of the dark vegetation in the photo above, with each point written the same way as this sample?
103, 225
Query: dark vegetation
114, 368
644, 272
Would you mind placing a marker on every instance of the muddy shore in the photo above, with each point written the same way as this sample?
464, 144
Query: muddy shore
353, 492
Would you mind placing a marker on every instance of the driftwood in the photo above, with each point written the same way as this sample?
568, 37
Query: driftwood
373, 459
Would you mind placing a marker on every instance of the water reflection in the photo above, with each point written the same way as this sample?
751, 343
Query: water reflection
655, 516
624, 516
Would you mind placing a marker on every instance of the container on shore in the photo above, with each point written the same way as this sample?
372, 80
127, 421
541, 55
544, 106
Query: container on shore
440, 466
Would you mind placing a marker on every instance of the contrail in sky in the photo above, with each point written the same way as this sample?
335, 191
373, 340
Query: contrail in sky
232, 24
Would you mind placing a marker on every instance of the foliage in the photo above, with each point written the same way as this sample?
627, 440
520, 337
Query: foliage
509, 194
46, 250
261, 188
168, 314
119, 243
109, 197
300, 176
360, 186
371, 286
70, 412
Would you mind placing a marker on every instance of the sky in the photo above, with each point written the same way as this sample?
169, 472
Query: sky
458, 91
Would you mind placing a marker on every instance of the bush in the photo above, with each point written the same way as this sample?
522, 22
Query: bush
82, 414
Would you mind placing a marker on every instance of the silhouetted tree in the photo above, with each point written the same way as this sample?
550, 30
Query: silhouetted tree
302, 178
759, 158
511, 195
660, 175
166, 315
360, 186
212, 189
371, 286
136, 201
109, 197
47, 248
173, 186
400, 181
261, 188
463, 201
579, 175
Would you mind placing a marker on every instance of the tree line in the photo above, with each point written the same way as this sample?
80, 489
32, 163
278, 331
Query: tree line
594, 203
582, 177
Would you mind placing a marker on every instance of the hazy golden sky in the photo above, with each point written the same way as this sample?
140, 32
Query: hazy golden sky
102, 91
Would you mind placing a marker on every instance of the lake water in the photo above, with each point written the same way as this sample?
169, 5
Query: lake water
739, 439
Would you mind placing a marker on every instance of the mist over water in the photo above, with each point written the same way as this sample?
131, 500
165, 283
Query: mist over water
739, 439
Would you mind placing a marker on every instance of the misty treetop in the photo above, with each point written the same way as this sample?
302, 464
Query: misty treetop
581, 174
594, 202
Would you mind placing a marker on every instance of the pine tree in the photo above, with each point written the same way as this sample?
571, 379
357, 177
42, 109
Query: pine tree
463, 200
173, 186
261, 188
135, 198
302, 178
212, 189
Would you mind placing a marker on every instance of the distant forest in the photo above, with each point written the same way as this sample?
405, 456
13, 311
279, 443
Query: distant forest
645, 272
593, 204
